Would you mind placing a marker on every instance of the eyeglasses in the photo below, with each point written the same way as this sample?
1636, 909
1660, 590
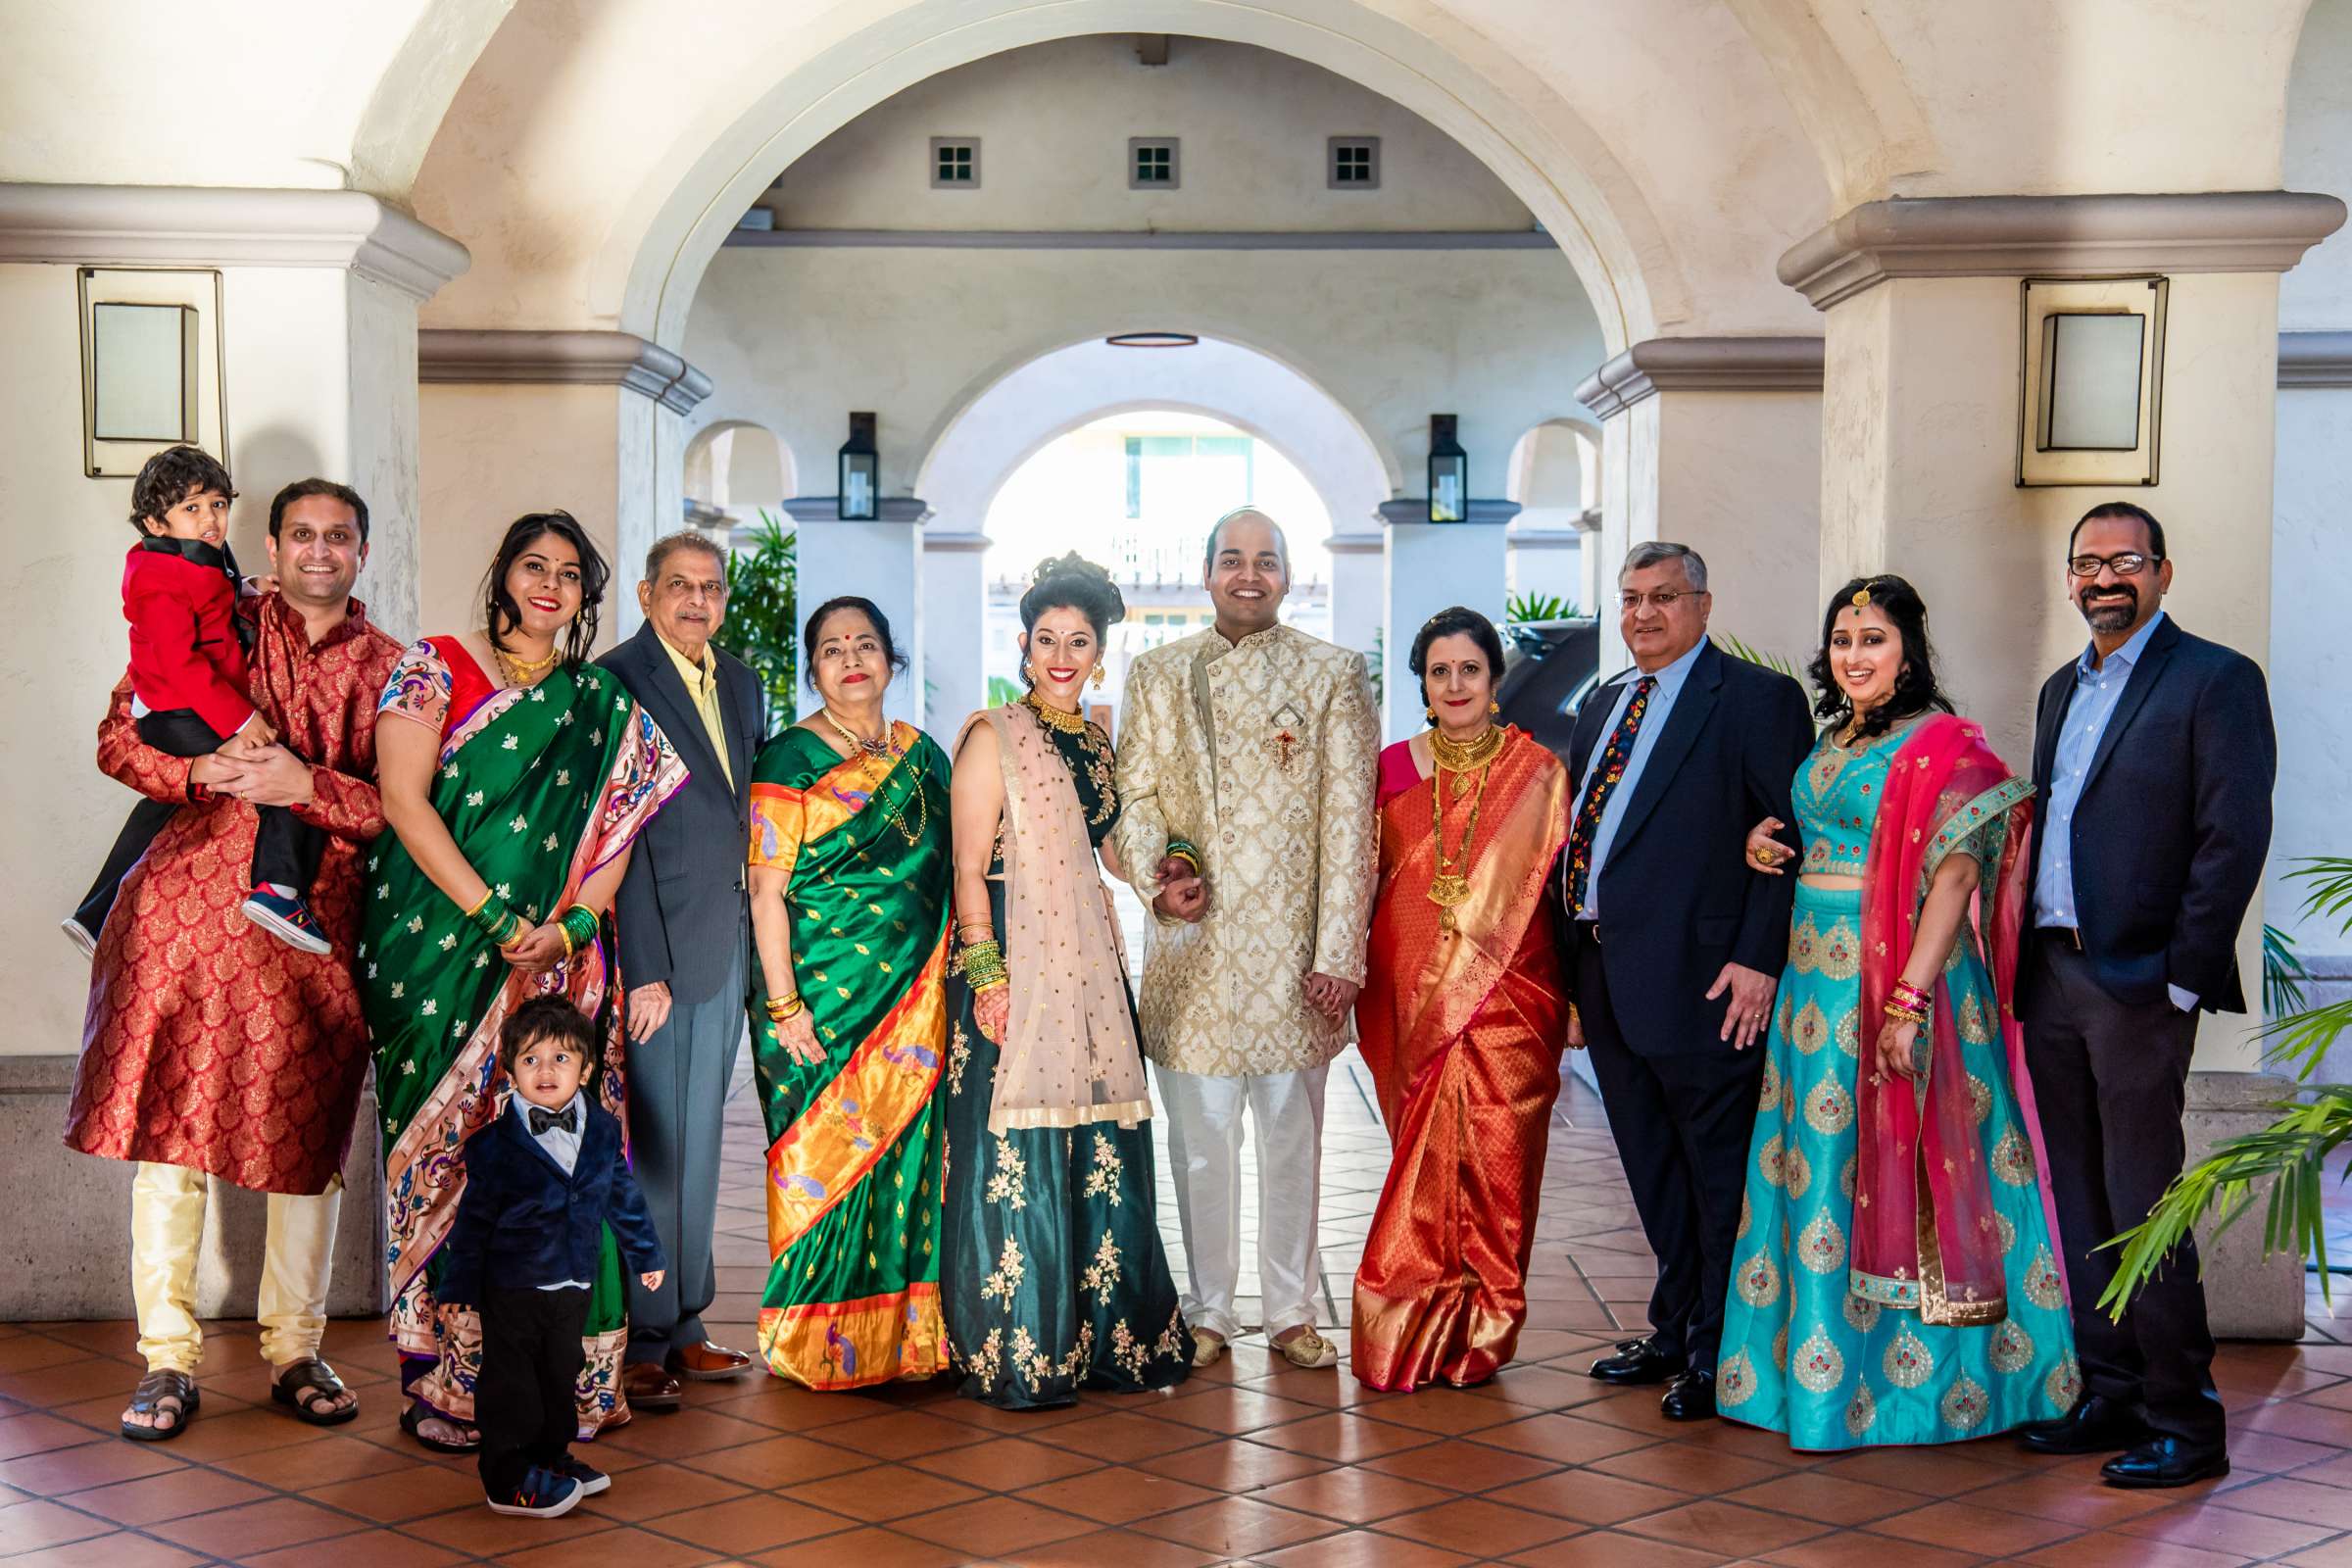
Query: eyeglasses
2131, 563
1664, 599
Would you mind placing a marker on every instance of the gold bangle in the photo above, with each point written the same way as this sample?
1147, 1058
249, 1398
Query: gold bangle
780, 1008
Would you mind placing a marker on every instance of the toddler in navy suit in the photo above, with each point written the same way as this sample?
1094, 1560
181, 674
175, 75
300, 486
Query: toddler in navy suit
541, 1183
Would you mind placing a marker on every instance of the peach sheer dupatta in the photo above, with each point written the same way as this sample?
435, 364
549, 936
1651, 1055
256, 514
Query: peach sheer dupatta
1069, 1056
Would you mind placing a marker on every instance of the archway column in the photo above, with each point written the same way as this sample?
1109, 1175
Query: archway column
519, 421
1715, 443
1428, 567
955, 595
314, 316
1358, 589
1921, 417
881, 560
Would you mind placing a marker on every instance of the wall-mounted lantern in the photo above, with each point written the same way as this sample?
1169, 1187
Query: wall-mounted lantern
2090, 406
1449, 473
859, 496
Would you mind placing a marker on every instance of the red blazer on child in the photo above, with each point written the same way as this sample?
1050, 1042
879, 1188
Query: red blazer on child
179, 596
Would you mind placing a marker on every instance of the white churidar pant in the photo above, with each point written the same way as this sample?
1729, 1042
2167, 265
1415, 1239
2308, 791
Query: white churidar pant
1204, 1146
167, 1229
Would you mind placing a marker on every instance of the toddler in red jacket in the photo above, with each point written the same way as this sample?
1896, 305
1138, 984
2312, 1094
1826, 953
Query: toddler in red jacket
189, 689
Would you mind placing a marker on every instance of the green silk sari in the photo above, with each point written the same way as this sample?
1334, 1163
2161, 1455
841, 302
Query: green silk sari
540, 787
853, 1189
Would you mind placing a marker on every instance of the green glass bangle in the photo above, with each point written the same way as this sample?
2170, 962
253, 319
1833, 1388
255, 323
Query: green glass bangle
983, 966
493, 918
579, 925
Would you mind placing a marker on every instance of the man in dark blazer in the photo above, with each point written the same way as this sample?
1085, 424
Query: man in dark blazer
685, 943
2153, 761
1672, 946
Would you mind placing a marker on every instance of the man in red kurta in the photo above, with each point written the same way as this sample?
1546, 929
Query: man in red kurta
210, 1049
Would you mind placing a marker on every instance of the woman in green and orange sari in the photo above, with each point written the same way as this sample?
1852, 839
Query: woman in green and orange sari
515, 779
1462, 1019
849, 880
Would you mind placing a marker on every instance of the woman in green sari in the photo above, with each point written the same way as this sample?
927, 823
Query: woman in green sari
849, 880
515, 777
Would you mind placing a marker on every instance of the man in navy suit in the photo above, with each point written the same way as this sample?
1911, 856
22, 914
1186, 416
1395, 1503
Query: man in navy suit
685, 940
541, 1183
2153, 761
1672, 946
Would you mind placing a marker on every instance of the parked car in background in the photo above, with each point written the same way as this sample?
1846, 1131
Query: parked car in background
1548, 669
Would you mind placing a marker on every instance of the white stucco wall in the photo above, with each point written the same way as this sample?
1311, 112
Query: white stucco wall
1053, 123
2309, 661
795, 339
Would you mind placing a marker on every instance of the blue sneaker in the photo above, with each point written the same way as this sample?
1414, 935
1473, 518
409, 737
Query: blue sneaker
287, 920
543, 1495
591, 1480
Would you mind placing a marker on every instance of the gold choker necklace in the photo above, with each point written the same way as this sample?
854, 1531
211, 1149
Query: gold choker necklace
525, 671
1462, 758
1054, 717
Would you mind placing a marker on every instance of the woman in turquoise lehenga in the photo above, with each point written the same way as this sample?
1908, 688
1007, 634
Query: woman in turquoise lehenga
1895, 1280
1054, 1276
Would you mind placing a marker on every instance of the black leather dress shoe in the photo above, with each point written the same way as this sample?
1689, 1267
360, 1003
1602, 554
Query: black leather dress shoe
1637, 1361
2166, 1463
2095, 1425
1690, 1397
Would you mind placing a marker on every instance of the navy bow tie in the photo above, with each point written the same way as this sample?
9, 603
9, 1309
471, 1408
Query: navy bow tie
543, 1121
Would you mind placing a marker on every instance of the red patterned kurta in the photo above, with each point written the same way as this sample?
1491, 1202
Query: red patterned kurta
209, 1042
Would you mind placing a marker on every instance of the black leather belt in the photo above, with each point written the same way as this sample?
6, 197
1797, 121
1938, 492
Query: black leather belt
2065, 936
1589, 929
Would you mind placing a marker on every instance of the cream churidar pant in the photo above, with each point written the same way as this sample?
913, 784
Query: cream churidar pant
1204, 1146
166, 1231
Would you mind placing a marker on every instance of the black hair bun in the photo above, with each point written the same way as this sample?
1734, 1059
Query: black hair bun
1071, 582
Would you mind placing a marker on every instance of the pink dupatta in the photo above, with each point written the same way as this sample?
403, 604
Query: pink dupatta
1925, 1236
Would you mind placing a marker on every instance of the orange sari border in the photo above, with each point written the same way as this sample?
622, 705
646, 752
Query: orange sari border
884, 1086
857, 1345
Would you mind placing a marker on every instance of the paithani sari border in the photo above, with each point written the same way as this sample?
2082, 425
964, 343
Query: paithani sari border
867, 1106
893, 1336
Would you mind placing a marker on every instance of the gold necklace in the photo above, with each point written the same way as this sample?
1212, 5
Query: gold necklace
1449, 882
524, 671
1461, 758
888, 751
1054, 717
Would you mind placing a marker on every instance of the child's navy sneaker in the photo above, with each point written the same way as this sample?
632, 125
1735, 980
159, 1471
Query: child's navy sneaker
287, 920
542, 1495
591, 1480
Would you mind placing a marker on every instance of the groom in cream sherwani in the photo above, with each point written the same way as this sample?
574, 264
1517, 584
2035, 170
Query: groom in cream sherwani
1246, 765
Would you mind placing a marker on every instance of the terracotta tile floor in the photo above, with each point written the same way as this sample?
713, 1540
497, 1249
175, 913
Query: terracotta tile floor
1250, 1462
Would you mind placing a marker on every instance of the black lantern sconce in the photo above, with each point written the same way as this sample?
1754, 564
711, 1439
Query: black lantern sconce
859, 496
1449, 473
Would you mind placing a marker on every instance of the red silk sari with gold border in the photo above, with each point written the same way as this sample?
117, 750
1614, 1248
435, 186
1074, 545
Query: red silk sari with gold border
1462, 1035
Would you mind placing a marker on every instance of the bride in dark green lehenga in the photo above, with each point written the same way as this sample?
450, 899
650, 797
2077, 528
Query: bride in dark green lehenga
1053, 1277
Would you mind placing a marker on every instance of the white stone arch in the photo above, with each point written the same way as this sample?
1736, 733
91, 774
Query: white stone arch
990, 434
733, 469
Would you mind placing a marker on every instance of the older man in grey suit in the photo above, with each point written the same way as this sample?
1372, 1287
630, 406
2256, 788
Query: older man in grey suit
685, 940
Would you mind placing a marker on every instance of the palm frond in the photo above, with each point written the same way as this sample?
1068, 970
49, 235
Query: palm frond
1739, 650
2282, 973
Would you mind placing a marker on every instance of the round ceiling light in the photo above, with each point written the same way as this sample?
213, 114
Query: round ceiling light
1151, 340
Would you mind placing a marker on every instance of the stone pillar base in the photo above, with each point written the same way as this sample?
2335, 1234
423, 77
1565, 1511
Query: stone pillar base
2247, 1296
66, 1253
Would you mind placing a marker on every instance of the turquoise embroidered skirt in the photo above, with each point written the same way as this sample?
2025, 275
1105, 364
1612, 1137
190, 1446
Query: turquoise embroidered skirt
1801, 1355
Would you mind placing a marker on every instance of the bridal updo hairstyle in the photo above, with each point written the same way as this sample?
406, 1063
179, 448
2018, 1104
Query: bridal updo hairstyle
1915, 688
1071, 582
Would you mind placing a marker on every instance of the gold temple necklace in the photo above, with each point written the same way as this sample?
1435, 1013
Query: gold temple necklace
1449, 882
1054, 717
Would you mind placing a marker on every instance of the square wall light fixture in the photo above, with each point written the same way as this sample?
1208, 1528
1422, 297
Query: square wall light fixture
150, 366
2090, 398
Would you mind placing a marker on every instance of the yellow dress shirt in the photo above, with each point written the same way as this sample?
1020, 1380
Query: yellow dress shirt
702, 684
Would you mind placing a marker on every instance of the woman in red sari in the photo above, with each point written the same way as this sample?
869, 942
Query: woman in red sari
1461, 1021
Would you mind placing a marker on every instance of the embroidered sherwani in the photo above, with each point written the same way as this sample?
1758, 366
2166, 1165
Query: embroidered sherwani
1261, 754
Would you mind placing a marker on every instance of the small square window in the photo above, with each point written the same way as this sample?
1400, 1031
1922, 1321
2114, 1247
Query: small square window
1352, 162
954, 162
1153, 162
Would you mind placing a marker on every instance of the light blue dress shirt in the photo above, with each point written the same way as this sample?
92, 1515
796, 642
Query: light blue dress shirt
2098, 687
1653, 723
562, 1146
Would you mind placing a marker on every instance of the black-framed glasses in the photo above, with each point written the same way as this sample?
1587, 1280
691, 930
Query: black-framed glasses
2131, 563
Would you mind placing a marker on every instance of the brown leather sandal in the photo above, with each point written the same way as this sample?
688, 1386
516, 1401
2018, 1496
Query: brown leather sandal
305, 1385
148, 1398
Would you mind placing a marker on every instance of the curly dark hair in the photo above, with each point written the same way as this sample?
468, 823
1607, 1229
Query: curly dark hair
1071, 582
1457, 621
172, 476
865, 607
1915, 692
500, 613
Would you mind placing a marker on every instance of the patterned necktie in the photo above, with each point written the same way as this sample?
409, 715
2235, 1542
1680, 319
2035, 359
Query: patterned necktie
543, 1121
1605, 779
